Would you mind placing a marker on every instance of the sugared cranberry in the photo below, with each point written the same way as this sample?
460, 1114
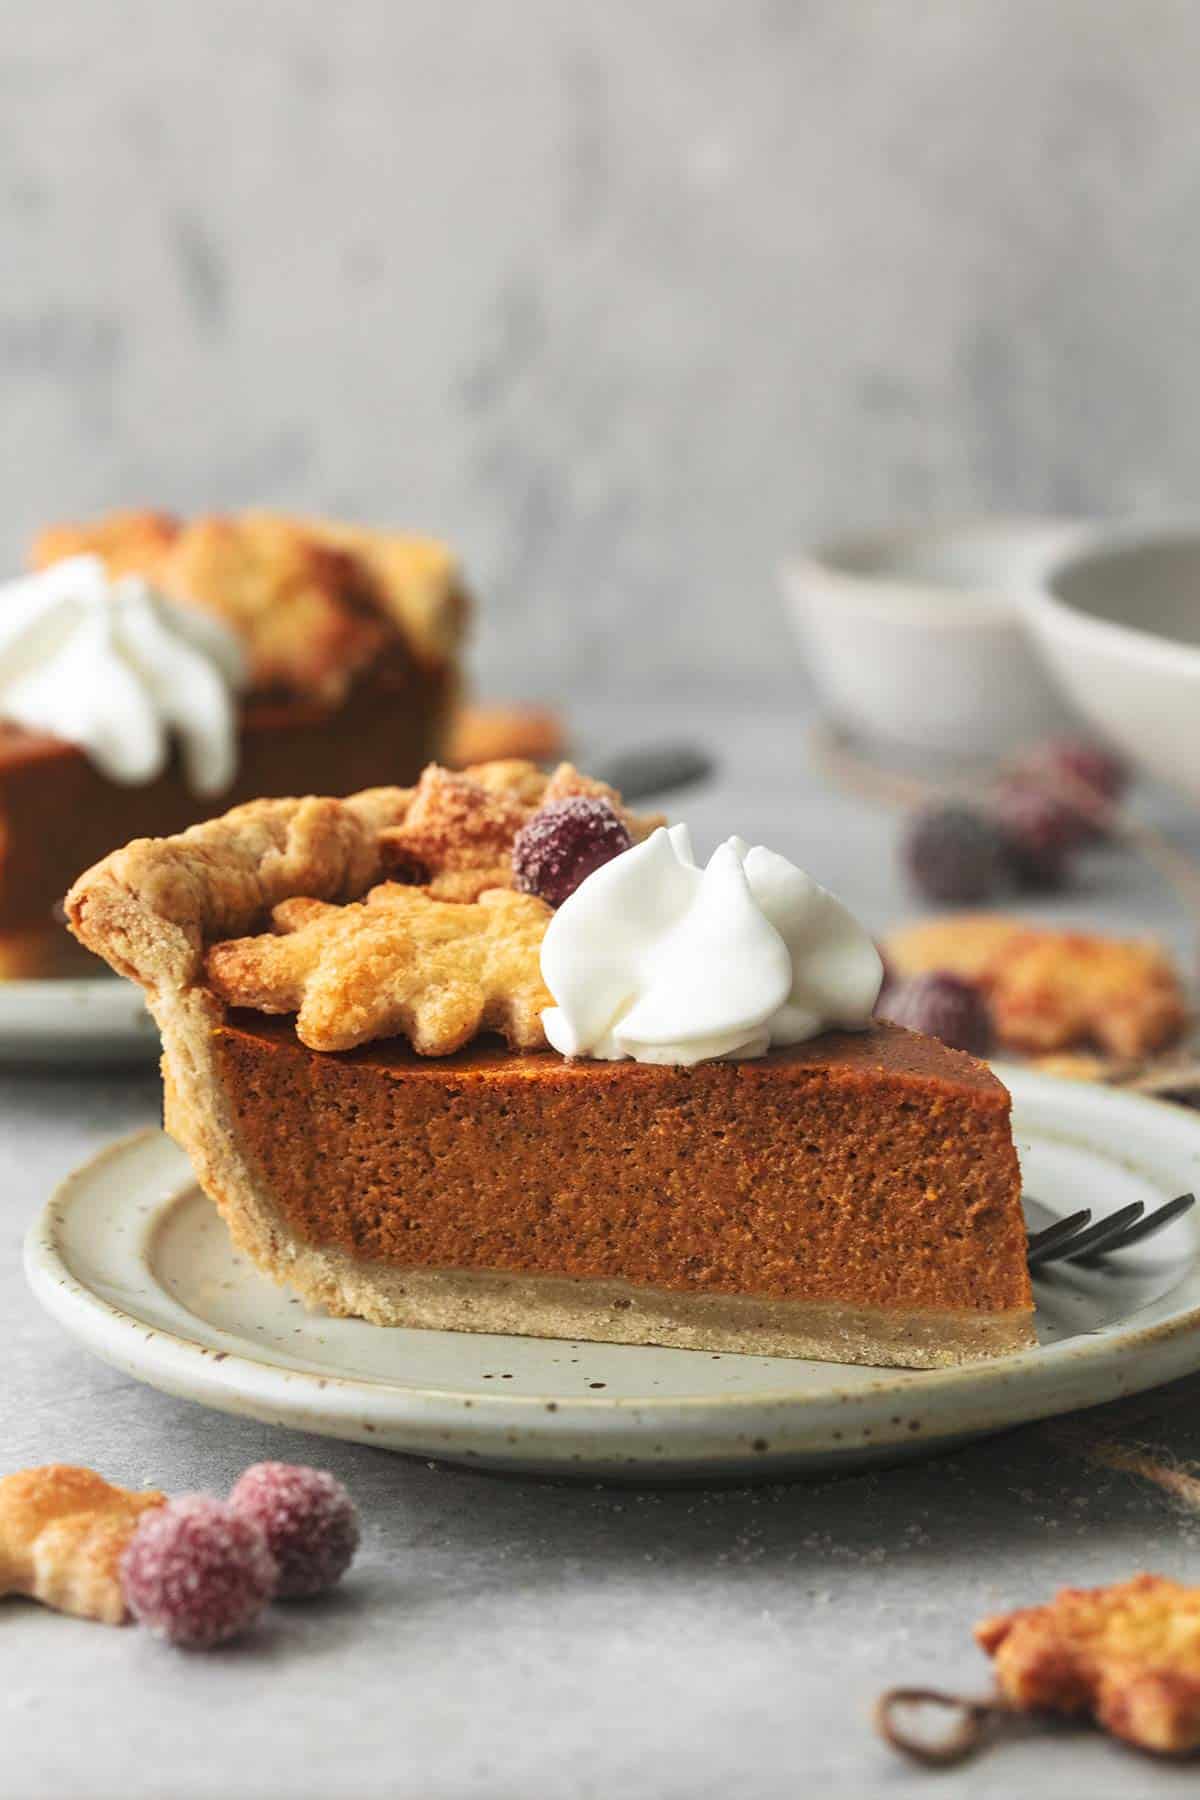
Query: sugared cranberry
564, 843
1086, 779
197, 1573
955, 854
1040, 831
1080, 760
943, 1007
309, 1521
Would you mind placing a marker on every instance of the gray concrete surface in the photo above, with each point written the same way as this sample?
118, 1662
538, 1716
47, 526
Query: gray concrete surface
625, 298
502, 1639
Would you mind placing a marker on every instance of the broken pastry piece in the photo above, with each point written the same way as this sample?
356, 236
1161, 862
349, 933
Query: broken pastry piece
488, 732
1129, 1655
62, 1533
1052, 990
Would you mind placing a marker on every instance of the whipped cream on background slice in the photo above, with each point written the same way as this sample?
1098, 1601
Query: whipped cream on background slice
657, 959
120, 670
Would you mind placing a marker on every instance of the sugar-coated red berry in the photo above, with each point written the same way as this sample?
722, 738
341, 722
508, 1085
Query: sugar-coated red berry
564, 843
197, 1573
1085, 779
1041, 832
943, 1007
955, 854
1081, 761
309, 1520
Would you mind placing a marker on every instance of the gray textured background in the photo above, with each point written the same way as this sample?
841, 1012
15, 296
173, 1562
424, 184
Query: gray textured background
624, 297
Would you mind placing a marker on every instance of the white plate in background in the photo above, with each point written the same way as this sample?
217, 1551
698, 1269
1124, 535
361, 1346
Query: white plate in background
134, 1262
85, 1020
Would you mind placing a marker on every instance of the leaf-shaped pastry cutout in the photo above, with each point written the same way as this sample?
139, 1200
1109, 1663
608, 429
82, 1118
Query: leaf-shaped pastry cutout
397, 964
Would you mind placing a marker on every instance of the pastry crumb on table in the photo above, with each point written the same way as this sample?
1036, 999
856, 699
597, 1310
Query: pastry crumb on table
490, 731
1128, 1655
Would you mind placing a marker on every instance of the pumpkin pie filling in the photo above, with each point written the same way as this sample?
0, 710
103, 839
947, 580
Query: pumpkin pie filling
852, 1195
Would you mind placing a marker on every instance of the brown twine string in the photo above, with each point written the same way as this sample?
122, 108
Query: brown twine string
1095, 1440
975, 1722
1179, 1479
1174, 1478
854, 773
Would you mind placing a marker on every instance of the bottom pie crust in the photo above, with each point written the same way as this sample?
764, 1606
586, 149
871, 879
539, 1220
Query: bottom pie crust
615, 1312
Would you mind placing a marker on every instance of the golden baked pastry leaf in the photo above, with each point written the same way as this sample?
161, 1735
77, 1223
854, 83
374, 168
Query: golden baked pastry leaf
301, 607
62, 1532
128, 543
445, 952
417, 579
1127, 1654
314, 603
456, 838
399, 963
1052, 989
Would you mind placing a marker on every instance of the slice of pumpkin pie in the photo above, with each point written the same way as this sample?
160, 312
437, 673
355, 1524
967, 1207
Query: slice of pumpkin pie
494, 1054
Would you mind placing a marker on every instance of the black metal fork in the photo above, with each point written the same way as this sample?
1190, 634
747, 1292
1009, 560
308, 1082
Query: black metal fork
1076, 1239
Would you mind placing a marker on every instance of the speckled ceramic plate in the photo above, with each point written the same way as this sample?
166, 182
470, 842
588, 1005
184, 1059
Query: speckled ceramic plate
133, 1261
93, 1019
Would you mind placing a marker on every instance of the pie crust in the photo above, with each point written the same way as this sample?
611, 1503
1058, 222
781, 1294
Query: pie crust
857, 1198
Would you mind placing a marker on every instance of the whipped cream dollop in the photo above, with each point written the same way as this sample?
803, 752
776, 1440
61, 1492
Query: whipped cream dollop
656, 959
121, 671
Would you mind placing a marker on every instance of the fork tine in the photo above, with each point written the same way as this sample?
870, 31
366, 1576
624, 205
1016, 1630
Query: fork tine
1043, 1245
1104, 1234
1162, 1215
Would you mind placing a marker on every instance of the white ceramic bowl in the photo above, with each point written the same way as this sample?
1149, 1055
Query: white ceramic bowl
916, 637
1118, 620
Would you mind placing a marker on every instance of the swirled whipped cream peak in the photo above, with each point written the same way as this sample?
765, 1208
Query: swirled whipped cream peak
122, 672
656, 959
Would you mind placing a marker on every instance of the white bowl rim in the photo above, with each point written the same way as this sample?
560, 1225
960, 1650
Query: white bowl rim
877, 592
1151, 647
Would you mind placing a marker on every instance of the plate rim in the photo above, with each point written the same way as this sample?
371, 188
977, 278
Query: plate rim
75, 1018
1147, 1354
